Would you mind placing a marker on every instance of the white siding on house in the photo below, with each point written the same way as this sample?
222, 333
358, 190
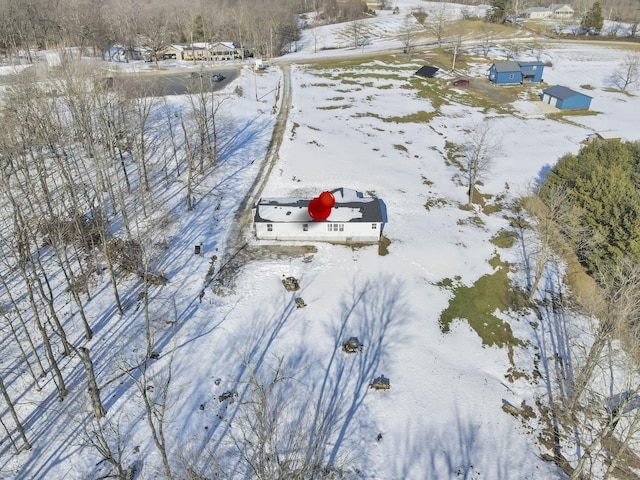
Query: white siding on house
562, 11
329, 231
538, 12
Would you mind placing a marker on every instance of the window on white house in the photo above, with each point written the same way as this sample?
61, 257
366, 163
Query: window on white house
374, 226
335, 227
305, 227
269, 227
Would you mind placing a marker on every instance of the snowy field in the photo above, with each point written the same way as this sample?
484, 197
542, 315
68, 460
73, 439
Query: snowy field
442, 417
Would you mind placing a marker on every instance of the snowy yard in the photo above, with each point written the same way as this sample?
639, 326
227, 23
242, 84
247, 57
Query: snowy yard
349, 126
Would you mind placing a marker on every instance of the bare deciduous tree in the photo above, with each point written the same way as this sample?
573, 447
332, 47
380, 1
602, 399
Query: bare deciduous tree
14, 415
153, 384
92, 385
617, 306
478, 152
274, 435
407, 33
456, 43
628, 74
106, 438
547, 214
437, 22
356, 29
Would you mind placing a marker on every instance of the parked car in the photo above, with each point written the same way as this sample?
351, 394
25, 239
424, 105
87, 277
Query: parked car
217, 77
460, 82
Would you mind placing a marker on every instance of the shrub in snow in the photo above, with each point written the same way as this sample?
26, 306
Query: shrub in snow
380, 383
352, 345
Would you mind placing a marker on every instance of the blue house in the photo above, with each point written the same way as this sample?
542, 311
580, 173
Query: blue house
511, 72
565, 99
531, 71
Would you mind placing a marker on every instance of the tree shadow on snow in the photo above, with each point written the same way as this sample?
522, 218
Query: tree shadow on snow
373, 311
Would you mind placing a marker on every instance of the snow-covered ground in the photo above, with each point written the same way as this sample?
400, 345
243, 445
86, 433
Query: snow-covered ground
442, 417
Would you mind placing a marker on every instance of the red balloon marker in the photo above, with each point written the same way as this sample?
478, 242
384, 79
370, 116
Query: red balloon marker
320, 207
327, 199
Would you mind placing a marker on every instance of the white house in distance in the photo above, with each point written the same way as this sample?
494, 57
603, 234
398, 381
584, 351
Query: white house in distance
535, 13
561, 10
557, 10
354, 218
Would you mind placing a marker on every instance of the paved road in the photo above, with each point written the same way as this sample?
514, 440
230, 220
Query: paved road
174, 81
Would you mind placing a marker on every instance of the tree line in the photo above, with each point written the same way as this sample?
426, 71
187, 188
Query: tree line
589, 14
260, 27
81, 167
601, 182
580, 243
84, 166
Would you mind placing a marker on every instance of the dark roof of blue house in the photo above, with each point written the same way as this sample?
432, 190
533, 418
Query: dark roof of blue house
562, 93
513, 66
502, 67
531, 64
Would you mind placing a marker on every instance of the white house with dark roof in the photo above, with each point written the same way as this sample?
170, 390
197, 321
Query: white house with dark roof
354, 218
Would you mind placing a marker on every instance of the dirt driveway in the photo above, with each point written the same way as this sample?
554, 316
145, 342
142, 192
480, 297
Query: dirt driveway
498, 95
237, 251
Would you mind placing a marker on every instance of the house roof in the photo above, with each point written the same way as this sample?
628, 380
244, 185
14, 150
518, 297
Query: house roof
199, 45
427, 71
562, 93
533, 63
350, 206
502, 67
229, 45
513, 66
609, 135
537, 9
557, 6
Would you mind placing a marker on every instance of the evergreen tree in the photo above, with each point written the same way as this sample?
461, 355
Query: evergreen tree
593, 19
497, 13
198, 29
602, 185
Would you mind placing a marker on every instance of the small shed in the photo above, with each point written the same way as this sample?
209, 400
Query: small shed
606, 136
511, 72
354, 218
427, 71
564, 98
